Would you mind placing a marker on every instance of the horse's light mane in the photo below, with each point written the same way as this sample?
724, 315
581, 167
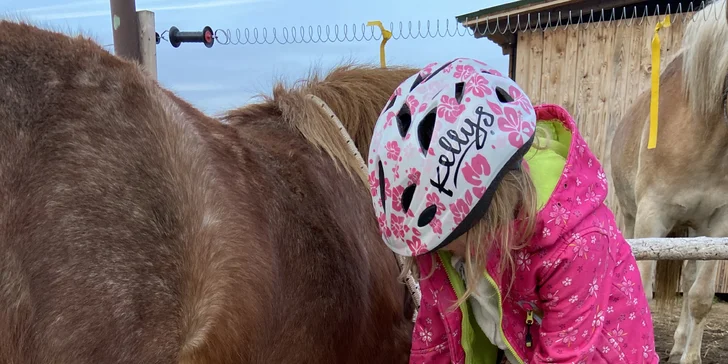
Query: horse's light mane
355, 93
705, 59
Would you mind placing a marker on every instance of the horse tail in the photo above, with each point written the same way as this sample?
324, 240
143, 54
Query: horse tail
667, 276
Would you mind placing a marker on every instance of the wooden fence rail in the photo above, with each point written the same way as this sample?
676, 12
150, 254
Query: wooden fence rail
693, 248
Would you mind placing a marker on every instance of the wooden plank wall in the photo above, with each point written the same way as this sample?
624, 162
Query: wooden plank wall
596, 71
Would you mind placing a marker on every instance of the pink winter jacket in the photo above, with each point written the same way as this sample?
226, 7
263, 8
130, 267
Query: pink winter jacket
578, 279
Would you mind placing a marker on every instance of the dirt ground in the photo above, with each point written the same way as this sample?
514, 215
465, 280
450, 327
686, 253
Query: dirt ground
715, 337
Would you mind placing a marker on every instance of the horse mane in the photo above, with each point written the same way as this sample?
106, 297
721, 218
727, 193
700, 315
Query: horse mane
705, 60
355, 93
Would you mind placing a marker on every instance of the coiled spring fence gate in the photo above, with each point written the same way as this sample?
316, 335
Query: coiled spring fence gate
462, 27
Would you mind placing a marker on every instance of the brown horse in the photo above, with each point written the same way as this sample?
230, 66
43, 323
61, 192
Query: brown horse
682, 184
135, 229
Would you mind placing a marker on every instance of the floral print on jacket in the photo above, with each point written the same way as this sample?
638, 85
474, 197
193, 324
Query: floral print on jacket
578, 278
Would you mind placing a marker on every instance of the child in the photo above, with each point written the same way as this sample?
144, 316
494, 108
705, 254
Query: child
518, 258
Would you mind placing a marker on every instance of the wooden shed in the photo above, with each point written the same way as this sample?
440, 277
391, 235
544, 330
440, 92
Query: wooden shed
592, 57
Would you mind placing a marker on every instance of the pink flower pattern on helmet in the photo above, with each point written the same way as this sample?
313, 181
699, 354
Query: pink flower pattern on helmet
450, 109
479, 87
438, 146
472, 172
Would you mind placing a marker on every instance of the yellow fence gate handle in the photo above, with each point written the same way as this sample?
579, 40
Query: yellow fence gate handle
386, 35
655, 95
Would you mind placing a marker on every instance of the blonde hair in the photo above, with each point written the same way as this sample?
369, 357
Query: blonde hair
507, 226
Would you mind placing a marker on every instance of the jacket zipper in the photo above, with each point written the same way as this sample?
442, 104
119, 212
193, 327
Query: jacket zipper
529, 322
500, 315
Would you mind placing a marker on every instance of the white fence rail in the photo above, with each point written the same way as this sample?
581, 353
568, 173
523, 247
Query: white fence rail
691, 248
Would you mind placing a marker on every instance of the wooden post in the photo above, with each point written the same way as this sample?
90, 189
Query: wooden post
512, 57
147, 42
126, 29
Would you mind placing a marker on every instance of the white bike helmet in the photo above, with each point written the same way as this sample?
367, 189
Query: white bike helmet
439, 149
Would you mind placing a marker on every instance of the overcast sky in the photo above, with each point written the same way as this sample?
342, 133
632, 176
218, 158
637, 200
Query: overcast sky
226, 76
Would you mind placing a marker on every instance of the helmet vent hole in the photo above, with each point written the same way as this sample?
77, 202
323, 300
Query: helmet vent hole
459, 91
425, 129
404, 119
382, 191
389, 106
427, 215
503, 96
418, 80
438, 70
407, 197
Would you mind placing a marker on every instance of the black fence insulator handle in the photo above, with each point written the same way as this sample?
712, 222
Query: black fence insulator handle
177, 37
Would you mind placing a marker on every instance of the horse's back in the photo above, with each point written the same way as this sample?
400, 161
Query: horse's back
100, 189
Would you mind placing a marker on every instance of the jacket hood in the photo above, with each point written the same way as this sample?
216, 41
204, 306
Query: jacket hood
560, 174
